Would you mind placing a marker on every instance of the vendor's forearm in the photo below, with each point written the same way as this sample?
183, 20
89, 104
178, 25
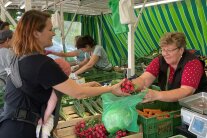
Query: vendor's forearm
140, 82
145, 80
173, 95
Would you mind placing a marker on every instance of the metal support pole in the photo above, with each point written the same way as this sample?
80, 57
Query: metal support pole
131, 56
3, 16
28, 5
72, 21
140, 14
62, 27
8, 15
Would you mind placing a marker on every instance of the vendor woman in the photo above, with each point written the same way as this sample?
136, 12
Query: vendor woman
179, 72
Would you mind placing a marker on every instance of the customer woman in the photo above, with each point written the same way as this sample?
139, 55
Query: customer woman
179, 72
39, 75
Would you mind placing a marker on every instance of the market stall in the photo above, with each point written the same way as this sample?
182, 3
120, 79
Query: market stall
129, 52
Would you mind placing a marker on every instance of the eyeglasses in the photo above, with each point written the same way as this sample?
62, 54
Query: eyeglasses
169, 50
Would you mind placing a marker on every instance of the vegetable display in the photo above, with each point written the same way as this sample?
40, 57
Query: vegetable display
94, 128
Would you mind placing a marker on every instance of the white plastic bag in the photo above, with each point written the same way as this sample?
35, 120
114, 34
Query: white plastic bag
126, 12
46, 128
56, 20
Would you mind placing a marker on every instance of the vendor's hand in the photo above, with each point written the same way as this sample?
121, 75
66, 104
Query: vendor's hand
93, 84
116, 89
151, 96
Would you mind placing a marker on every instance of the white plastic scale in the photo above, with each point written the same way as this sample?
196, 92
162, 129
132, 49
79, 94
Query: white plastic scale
194, 113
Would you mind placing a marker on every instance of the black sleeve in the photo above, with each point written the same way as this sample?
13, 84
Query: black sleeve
50, 74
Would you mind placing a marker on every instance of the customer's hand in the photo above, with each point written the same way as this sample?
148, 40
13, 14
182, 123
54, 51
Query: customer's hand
116, 89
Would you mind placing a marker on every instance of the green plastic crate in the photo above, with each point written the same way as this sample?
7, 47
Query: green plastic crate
176, 120
161, 126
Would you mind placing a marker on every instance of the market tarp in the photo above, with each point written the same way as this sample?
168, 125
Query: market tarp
188, 16
117, 26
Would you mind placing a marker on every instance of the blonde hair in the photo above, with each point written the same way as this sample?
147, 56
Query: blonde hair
23, 40
176, 38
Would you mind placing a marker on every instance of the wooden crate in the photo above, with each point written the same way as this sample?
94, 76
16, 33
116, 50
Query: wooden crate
71, 114
65, 129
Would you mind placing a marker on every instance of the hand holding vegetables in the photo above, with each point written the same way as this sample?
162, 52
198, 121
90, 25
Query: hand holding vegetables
116, 89
127, 86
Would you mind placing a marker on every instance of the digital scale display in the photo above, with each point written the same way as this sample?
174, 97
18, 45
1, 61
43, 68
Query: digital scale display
198, 126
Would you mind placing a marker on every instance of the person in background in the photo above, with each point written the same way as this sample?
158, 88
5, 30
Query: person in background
179, 72
98, 58
82, 57
4, 26
39, 74
6, 54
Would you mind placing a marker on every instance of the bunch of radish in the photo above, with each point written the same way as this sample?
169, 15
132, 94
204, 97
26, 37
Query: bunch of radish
120, 134
85, 130
127, 86
95, 129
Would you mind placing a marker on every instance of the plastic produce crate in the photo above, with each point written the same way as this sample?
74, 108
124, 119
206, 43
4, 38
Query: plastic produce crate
160, 126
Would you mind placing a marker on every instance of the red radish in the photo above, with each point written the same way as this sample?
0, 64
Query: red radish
127, 86
94, 130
